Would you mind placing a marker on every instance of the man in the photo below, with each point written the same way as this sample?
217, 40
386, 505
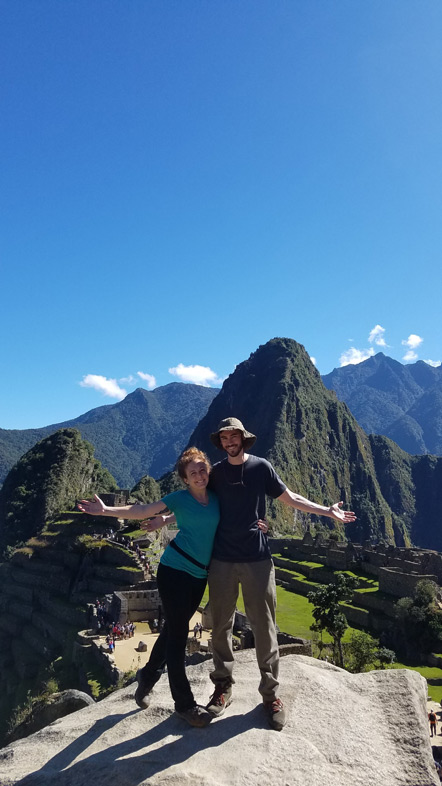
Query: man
433, 722
241, 555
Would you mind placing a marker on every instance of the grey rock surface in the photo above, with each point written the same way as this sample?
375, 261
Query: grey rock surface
57, 706
342, 730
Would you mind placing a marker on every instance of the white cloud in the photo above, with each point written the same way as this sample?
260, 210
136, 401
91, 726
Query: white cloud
434, 363
199, 375
109, 387
149, 378
412, 341
353, 356
130, 380
313, 360
377, 336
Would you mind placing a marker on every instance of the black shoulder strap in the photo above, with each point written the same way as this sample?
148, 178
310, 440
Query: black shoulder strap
187, 556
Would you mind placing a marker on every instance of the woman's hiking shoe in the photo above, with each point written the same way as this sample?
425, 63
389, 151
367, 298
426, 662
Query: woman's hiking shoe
143, 692
220, 699
275, 713
196, 716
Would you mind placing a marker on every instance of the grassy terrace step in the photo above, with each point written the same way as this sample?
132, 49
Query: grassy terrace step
293, 574
300, 569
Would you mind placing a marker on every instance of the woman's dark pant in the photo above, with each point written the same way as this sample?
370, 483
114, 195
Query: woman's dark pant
180, 595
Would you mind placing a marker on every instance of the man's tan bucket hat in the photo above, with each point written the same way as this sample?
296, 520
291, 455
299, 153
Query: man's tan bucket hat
231, 424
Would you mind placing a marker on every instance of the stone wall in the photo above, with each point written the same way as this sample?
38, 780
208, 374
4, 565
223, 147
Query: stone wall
357, 616
88, 647
284, 579
136, 605
382, 605
417, 564
337, 559
394, 582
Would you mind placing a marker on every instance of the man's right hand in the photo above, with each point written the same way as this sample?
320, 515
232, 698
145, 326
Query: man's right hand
156, 523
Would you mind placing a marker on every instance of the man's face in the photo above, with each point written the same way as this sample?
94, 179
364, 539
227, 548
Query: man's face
231, 442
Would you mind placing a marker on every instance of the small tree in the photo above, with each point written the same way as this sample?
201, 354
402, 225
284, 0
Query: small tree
361, 651
385, 657
418, 621
327, 612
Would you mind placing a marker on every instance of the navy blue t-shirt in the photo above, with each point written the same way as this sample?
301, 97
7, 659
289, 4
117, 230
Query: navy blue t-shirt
241, 491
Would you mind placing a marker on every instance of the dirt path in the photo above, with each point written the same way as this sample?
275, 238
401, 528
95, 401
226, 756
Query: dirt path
127, 658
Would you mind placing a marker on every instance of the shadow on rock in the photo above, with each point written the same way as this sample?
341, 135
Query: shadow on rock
124, 764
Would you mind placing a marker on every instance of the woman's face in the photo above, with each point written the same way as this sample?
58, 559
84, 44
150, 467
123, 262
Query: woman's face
197, 476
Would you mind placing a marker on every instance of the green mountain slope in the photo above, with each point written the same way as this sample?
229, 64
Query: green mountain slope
412, 486
49, 478
141, 435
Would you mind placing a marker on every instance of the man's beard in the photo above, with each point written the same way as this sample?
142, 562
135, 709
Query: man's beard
234, 451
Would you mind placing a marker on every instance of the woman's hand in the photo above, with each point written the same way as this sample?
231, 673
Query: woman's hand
263, 525
95, 508
336, 513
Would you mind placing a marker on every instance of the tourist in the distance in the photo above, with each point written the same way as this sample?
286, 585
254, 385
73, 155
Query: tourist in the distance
432, 717
181, 577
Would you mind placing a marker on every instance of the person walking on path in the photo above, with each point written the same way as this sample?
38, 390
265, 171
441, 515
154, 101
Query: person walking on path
433, 722
241, 555
181, 577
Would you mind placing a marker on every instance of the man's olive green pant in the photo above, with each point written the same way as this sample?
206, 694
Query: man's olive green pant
257, 580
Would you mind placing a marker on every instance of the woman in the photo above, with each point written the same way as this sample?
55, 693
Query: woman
181, 577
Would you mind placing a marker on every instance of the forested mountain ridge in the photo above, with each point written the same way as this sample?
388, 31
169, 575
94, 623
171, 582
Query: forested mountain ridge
52, 476
141, 435
402, 402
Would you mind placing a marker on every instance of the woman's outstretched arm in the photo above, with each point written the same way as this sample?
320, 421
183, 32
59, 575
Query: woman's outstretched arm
133, 512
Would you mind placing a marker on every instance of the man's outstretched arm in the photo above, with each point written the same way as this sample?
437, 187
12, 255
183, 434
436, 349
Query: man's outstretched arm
301, 503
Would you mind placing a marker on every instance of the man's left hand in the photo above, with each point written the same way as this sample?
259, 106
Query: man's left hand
347, 516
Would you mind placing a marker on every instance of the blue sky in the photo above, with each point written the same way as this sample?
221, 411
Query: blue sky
182, 181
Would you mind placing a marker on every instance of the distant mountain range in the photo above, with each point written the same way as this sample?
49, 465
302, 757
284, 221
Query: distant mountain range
311, 437
141, 435
403, 402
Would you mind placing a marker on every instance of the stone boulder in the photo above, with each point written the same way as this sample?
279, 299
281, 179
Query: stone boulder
342, 730
56, 706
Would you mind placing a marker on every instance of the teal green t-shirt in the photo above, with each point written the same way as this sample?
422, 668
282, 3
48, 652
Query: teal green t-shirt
196, 531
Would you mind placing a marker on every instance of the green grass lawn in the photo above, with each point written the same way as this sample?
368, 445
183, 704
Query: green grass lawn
430, 673
293, 614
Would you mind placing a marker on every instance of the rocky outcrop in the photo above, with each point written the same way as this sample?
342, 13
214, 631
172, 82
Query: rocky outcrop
57, 706
342, 730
